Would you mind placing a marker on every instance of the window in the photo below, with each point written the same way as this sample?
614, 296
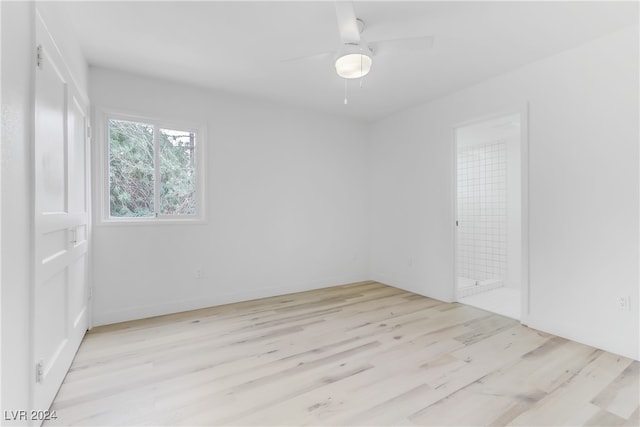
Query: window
153, 171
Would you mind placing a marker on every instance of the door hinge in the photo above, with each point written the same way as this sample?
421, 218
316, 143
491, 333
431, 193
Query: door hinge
39, 56
88, 132
40, 371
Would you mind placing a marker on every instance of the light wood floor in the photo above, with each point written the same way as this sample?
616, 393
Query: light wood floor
359, 354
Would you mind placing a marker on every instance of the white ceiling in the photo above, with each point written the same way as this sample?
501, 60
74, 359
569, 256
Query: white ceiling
238, 46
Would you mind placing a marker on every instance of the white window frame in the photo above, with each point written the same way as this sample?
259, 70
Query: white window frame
102, 117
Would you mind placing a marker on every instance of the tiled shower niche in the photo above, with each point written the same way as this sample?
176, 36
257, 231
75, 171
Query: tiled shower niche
482, 217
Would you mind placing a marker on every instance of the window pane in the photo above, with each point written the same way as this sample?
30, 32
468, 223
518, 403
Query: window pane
177, 172
131, 173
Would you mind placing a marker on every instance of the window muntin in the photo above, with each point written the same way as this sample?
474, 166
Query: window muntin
154, 171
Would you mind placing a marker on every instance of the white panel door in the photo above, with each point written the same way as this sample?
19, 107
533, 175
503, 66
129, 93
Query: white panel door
60, 316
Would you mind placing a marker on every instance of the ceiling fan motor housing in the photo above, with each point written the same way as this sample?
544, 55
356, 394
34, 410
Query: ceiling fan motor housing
354, 60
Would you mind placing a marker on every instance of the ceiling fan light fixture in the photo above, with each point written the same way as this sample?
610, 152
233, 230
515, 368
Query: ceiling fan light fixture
353, 62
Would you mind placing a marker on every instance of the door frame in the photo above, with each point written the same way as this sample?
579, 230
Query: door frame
523, 112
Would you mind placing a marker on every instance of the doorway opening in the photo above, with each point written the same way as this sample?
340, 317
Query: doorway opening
488, 208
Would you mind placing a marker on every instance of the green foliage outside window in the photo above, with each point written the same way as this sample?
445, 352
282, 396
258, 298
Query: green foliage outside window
177, 172
132, 171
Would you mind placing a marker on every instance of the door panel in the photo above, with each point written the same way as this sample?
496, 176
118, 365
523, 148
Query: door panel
81, 234
53, 243
51, 111
52, 293
77, 290
61, 220
77, 156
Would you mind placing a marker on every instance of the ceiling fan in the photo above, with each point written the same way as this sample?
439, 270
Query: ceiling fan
354, 57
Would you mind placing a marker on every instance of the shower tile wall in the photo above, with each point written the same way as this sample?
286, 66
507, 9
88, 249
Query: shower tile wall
482, 211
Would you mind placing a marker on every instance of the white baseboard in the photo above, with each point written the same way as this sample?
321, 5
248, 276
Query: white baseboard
170, 307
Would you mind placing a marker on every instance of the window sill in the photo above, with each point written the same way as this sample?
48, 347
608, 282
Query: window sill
149, 221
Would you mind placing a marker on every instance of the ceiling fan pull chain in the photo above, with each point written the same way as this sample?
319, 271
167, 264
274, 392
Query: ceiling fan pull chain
345, 92
361, 75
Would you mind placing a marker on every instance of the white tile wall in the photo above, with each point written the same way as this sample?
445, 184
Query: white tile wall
482, 211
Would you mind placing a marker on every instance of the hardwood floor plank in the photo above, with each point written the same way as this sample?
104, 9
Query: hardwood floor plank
634, 419
622, 396
505, 393
604, 418
356, 354
485, 328
560, 405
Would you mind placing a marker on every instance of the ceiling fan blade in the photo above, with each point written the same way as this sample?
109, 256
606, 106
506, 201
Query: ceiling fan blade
314, 57
347, 24
412, 44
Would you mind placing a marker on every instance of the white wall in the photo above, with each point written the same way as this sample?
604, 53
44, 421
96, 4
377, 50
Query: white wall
286, 202
0, 213
17, 47
583, 189
18, 53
